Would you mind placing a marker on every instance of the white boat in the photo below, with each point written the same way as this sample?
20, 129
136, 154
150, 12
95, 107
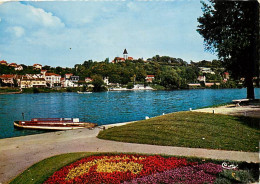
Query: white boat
85, 92
53, 124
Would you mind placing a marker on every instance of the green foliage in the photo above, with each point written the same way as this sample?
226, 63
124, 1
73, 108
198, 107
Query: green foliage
231, 28
36, 90
240, 176
7, 90
98, 83
40, 171
130, 85
187, 129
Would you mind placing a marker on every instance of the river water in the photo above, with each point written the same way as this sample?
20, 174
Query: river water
106, 107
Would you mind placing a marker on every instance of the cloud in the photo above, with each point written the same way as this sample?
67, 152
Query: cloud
18, 14
44, 32
16, 30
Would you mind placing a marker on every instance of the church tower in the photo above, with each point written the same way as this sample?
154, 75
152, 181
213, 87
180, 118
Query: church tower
125, 54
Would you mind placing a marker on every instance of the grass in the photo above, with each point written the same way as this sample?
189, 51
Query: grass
191, 129
8, 89
39, 172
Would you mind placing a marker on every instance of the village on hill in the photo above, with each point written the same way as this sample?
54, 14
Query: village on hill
125, 72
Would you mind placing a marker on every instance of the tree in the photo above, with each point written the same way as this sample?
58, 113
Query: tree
97, 83
231, 28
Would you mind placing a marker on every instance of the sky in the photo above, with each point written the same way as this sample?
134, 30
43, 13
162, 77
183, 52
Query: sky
65, 33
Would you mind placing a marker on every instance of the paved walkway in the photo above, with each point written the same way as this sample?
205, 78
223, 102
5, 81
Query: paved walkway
248, 110
19, 153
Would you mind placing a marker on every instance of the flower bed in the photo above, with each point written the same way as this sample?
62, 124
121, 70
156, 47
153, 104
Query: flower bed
135, 169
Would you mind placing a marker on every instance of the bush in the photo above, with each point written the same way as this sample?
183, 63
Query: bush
130, 85
36, 90
241, 176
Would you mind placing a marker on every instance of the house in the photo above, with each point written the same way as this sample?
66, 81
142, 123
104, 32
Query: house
149, 78
33, 83
118, 60
3, 62
13, 65
68, 75
70, 81
226, 75
206, 70
124, 58
43, 72
37, 66
18, 67
8, 79
88, 80
106, 80
201, 78
52, 79
74, 79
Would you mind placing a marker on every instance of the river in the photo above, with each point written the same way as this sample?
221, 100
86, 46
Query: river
106, 107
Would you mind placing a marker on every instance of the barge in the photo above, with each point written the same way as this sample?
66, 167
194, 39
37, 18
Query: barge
53, 124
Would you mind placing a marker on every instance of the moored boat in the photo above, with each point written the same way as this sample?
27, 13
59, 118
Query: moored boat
83, 92
53, 124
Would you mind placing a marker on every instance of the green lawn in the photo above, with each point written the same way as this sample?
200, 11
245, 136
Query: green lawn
40, 171
191, 129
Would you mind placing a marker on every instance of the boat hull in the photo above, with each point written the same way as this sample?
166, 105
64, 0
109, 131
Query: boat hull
52, 126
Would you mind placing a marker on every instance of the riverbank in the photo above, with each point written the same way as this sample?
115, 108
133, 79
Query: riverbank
18, 153
250, 109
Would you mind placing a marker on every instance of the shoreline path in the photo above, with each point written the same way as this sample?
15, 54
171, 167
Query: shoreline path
19, 153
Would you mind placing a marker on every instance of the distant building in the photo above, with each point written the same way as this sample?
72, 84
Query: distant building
18, 67
206, 70
68, 75
122, 59
106, 80
3, 62
70, 81
226, 75
13, 65
88, 80
125, 54
43, 72
201, 78
33, 83
149, 78
118, 60
37, 66
52, 79
8, 79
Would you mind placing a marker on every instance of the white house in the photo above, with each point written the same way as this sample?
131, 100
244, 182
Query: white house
33, 83
37, 66
52, 78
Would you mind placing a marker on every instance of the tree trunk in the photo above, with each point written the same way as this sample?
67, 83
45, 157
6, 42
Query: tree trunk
250, 87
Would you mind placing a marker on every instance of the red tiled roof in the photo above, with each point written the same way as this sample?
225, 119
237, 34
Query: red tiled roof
37, 64
68, 74
119, 58
3, 61
6, 76
150, 76
130, 58
50, 74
